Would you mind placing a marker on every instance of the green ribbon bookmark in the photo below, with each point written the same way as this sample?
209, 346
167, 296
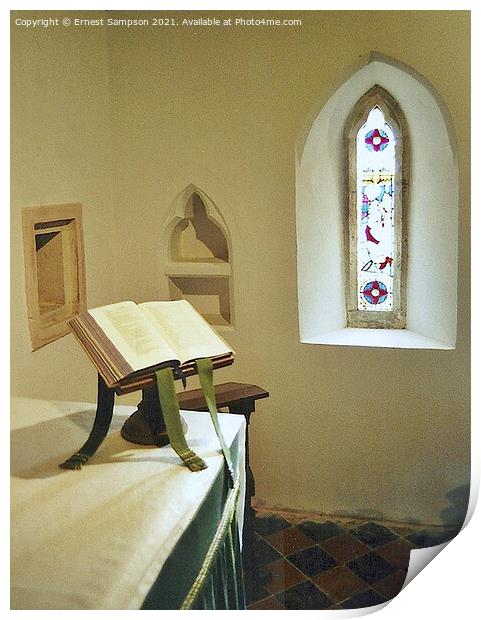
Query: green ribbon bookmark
170, 409
205, 369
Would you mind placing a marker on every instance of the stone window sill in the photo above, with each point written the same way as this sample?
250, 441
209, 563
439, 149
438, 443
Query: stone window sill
387, 338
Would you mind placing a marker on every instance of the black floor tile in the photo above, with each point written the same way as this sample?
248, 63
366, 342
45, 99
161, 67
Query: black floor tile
256, 593
373, 534
268, 524
304, 596
428, 538
363, 599
320, 531
312, 561
371, 567
264, 553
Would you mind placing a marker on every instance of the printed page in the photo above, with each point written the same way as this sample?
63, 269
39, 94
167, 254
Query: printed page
186, 331
135, 338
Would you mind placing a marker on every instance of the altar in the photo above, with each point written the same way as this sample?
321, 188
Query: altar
134, 528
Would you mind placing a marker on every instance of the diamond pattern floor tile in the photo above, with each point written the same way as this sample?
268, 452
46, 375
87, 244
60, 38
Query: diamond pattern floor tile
397, 552
289, 540
390, 586
304, 596
320, 531
265, 553
257, 594
344, 547
373, 534
283, 575
323, 564
339, 583
371, 567
429, 538
312, 561
368, 598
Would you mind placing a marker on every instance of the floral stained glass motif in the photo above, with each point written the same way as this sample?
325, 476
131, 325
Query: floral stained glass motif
376, 247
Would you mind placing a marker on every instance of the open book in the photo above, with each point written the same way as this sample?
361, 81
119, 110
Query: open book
126, 341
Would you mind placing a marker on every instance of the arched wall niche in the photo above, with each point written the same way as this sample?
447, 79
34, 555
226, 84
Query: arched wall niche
198, 259
432, 216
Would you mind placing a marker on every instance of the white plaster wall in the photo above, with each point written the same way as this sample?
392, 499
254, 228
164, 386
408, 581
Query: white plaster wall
60, 153
432, 216
346, 429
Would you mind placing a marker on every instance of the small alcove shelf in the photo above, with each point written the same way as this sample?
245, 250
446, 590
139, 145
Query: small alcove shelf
198, 267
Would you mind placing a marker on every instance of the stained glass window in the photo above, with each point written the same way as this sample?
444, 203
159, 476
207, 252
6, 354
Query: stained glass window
376, 142
376, 176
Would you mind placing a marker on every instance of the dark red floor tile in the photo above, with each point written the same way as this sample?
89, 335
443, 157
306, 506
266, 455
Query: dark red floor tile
339, 583
344, 547
389, 587
283, 575
290, 540
397, 552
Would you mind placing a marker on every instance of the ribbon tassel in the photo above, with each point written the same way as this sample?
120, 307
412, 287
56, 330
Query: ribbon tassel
170, 408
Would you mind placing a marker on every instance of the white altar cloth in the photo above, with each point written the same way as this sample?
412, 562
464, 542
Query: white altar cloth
97, 538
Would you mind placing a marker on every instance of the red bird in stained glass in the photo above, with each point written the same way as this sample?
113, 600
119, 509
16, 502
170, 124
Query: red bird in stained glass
387, 261
369, 237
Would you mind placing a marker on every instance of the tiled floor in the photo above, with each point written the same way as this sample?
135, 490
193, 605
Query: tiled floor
304, 564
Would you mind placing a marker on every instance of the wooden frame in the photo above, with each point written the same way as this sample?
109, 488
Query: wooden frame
396, 318
54, 269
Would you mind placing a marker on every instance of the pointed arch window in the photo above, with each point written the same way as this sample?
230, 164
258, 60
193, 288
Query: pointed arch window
376, 142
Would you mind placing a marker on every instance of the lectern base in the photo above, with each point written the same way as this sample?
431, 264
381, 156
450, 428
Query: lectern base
146, 426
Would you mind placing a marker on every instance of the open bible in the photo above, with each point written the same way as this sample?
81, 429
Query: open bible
128, 342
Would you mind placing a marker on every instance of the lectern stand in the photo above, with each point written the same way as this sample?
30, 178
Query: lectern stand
145, 427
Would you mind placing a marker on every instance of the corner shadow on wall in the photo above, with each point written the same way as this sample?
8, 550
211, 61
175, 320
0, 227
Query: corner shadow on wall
56, 439
455, 513
206, 231
452, 518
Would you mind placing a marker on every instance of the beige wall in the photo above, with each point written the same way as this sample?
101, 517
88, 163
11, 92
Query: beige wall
222, 108
61, 153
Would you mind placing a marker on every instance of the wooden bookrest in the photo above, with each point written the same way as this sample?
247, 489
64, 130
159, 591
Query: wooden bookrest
239, 397
145, 427
148, 381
